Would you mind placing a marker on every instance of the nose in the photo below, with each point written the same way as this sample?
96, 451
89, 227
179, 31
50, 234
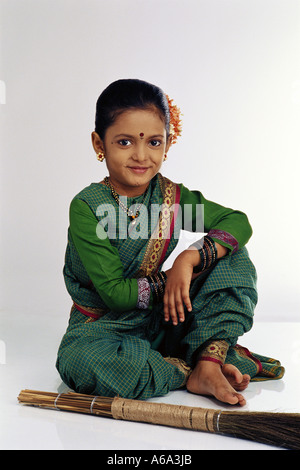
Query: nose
140, 153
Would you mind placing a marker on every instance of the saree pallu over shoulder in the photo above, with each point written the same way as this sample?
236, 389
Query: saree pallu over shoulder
142, 256
158, 244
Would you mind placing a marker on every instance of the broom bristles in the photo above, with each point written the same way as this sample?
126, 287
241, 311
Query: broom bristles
271, 428
275, 429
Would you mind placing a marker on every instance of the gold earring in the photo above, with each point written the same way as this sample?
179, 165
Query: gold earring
100, 156
165, 157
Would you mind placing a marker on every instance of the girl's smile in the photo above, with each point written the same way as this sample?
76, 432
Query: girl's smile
138, 169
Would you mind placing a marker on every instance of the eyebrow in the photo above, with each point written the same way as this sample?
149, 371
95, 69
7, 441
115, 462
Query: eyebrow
133, 137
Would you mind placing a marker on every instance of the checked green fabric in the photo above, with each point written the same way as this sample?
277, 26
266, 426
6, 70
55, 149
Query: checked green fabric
122, 353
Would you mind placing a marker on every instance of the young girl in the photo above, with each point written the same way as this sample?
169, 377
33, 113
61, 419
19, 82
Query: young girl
135, 330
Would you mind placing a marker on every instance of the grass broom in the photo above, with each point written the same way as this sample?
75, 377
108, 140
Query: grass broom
275, 429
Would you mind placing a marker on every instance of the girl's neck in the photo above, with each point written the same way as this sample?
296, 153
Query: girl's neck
130, 192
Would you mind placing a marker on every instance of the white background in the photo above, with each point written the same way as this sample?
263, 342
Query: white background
232, 66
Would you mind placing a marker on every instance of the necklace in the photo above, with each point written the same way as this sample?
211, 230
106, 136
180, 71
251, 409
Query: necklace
129, 212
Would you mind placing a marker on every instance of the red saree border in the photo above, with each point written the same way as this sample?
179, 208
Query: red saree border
244, 352
211, 359
89, 312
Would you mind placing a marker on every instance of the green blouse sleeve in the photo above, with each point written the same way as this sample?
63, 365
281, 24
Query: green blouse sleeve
101, 260
226, 226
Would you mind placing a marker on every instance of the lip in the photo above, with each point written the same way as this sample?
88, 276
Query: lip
138, 169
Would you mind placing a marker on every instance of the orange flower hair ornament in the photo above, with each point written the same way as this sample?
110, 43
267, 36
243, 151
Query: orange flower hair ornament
175, 121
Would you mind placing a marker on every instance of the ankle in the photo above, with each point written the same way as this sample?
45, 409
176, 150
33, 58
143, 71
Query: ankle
208, 366
214, 351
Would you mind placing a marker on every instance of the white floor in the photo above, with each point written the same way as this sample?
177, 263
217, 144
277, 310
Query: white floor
28, 345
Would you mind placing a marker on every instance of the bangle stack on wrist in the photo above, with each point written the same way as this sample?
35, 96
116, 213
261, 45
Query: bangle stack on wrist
157, 284
208, 253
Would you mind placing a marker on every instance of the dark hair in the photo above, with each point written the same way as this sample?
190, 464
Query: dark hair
125, 94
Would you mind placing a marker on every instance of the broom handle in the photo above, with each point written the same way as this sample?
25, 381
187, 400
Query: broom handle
180, 416
200, 419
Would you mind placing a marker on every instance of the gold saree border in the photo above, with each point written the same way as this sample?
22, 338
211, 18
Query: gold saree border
214, 351
160, 239
182, 366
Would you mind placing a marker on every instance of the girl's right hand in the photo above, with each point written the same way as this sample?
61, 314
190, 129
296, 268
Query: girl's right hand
177, 290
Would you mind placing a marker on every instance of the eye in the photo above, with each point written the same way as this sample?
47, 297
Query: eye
124, 142
155, 143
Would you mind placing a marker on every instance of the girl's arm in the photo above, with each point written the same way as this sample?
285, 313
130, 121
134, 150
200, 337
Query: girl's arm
230, 231
102, 262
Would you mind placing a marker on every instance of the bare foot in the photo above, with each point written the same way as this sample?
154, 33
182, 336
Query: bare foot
236, 379
208, 378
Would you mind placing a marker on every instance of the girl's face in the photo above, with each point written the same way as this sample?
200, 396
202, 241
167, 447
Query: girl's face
134, 147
